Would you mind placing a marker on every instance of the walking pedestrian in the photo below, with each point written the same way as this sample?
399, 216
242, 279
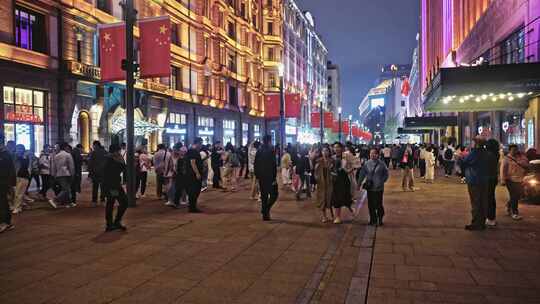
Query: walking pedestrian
45, 160
303, 170
341, 189
34, 174
112, 183
448, 160
475, 165
63, 170
194, 174
161, 159
514, 168
395, 156
422, 161
216, 163
374, 175
286, 165
252, 152
387, 155
76, 153
323, 174
407, 168
22, 169
429, 164
205, 155
492, 158
8, 180
142, 166
96, 165
180, 177
265, 168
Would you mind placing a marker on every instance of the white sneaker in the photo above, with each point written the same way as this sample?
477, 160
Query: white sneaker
17, 210
337, 220
183, 203
169, 203
143, 196
53, 204
491, 223
204, 189
516, 217
137, 196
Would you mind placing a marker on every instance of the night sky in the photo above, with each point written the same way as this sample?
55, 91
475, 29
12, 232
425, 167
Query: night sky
362, 36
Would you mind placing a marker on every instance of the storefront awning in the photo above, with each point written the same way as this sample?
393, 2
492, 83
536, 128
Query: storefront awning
483, 88
429, 123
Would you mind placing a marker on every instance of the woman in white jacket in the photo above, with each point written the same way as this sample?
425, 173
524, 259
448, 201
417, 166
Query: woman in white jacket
430, 165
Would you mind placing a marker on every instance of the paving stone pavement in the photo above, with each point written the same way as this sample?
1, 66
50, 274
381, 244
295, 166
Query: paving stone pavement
228, 255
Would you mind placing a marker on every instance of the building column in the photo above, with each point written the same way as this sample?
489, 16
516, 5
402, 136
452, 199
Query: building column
495, 120
472, 124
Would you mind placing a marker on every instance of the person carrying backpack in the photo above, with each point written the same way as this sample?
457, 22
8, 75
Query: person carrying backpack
448, 157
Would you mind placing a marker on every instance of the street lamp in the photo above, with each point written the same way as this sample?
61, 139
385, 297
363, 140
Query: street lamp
281, 109
339, 122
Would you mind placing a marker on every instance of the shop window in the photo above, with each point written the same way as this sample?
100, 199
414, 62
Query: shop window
176, 118
245, 133
203, 121
104, 5
30, 30
229, 132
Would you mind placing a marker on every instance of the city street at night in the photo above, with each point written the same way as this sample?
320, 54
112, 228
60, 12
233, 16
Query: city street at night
227, 255
270, 151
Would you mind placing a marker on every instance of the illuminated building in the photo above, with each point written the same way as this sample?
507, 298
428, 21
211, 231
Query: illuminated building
291, 41
334, 87
216, 89
480, 59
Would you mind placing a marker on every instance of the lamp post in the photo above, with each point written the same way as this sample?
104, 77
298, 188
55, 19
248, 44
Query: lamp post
339, 123
281, 109
129, 67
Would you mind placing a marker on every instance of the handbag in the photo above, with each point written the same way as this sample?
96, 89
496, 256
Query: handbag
368, 184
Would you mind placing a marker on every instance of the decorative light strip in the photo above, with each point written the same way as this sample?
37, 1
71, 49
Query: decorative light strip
482, 97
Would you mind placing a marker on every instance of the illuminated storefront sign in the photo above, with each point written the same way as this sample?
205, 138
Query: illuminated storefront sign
23, 117
176, 130
290, 130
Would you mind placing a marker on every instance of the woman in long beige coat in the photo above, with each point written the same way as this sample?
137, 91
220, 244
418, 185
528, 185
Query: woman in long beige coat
323, 176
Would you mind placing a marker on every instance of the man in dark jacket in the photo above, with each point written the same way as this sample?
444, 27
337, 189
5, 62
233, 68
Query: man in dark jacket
76, 153
477, 177
266, 172
96, 165
216, 163
303, 170
8, 180
112, 184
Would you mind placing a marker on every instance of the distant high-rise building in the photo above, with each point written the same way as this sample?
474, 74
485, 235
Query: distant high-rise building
334, 87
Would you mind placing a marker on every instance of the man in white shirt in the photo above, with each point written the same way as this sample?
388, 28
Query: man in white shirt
63, 170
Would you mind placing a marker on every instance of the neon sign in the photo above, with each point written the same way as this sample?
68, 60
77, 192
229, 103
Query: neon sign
23, 117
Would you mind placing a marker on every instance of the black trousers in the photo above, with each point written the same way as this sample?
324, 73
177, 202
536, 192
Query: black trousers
97, 185
179, 188
269, 195
121, 198
35, 177
375, 205
516, 191
217, 176
448, 167
422, 166
140, 182
193, 190
75, 188
479, 203
491, 200
304, 180
160, 181
395, 162
46, 182
5, 213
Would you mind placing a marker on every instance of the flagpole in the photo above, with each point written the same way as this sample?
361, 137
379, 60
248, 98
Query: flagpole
130, 82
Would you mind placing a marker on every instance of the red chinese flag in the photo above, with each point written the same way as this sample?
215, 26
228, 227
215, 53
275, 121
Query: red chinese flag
355, 131
271, 106
112, 41
315, 119
345, 128
155, 46
335, 126
293, 105
405, 87
328, 120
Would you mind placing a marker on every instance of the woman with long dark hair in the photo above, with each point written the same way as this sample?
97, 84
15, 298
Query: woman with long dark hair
341, 189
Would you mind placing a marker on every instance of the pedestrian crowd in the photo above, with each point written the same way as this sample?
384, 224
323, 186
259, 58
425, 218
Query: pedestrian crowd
340, 176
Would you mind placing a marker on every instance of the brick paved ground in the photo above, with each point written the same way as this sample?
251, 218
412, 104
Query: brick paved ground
227, 255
